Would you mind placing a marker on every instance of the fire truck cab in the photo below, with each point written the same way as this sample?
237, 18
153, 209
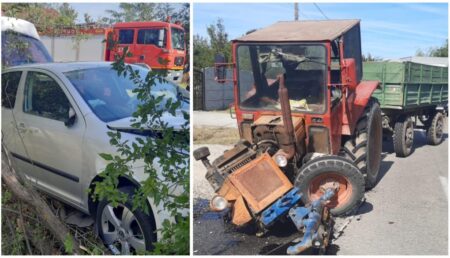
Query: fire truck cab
160, 45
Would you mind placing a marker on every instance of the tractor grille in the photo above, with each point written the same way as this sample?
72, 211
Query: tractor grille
179, 60
260, 182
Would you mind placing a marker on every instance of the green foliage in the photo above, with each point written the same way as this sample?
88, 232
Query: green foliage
68, 244
441, 51
205, 51
44, 16
166, 157
370, 58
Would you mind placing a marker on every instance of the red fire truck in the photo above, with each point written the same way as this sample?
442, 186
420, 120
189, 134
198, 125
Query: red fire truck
160, 45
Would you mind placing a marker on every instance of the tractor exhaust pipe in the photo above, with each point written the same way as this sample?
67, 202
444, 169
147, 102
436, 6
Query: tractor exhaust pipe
289, 146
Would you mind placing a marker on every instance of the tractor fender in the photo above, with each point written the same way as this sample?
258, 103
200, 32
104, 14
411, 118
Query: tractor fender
357, 101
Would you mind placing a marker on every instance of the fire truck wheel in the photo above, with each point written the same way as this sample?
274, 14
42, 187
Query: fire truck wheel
435, 129
364, 146
323, 172
403, 137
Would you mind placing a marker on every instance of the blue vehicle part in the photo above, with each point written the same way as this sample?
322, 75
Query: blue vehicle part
310, 219
280, 207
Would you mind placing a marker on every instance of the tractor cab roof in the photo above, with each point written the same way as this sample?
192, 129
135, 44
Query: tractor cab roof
289, 31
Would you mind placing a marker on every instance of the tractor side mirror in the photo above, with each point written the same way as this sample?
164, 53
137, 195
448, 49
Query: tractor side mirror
220, 71
349, 73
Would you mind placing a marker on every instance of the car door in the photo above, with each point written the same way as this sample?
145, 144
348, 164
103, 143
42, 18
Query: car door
12, 83
54, 146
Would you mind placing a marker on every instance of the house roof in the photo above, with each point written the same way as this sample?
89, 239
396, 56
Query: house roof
301, 31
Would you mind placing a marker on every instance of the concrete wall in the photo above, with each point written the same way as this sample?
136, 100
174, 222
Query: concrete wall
63, 49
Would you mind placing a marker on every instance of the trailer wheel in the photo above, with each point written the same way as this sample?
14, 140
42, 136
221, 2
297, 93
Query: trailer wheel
364, 147
403, 137
435, 129
315, 175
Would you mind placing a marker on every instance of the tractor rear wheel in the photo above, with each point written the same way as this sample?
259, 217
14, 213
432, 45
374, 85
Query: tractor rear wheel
435, 129
403, 137
320, 173
364, 147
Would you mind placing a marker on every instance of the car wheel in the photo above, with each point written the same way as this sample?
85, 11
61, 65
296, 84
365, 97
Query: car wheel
123, 230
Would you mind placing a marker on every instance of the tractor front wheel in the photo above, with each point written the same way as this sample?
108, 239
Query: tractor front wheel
321, 173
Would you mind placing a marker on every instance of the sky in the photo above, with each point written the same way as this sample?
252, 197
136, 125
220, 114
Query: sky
96, 10
388, 30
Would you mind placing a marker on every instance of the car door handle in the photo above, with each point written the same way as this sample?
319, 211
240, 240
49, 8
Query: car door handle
21, 127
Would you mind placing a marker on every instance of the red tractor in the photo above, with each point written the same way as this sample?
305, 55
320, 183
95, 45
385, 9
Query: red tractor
310, 131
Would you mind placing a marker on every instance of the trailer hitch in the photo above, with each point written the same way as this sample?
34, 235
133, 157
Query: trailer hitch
309, 219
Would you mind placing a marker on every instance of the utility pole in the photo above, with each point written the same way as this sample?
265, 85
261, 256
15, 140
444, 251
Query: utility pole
296, 11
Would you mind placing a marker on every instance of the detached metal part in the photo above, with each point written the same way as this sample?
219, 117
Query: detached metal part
310, 219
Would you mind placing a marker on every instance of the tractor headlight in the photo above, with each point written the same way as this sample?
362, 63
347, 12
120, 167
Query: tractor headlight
218, 203
281, 160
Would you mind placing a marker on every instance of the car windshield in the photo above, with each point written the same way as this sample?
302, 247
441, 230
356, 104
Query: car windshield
177, 39
304, 70
111, 96
20, 49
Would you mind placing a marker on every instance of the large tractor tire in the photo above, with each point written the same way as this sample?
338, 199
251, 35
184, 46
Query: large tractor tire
320, 173
435, 130
364, 147
403, 137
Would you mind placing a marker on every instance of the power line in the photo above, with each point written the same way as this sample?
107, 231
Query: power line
320, 10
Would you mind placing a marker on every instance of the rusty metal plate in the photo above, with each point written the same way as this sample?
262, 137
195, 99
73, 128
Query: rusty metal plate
301, 31
260, 182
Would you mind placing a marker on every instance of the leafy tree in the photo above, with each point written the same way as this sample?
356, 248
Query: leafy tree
133, 12
46, 17
203, 54
164, 11
370, 58
88, 18
441, 51
205, 51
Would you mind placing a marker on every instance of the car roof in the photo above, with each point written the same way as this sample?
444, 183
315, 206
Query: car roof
285, 31
62, 67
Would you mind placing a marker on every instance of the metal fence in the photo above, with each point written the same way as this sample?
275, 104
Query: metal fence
209, 94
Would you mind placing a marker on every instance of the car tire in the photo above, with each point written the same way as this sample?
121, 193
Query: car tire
122, 230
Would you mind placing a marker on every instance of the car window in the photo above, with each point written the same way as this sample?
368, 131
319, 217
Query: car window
111, 96
10, 83
151, 37
44, 97
126, 36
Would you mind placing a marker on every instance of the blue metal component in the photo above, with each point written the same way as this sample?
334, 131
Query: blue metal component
310, 218
281, 206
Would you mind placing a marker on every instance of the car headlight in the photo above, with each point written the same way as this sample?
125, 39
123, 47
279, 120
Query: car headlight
280, 159
218, 203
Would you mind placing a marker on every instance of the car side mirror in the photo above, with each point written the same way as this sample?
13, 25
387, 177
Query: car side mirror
349, 73
220, 64
71, 117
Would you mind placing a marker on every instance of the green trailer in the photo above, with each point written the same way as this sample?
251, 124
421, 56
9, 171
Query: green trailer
411, 95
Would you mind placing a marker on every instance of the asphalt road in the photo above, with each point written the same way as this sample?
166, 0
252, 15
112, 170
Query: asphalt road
406, 213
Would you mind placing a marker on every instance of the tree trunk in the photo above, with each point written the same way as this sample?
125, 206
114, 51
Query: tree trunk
26, 193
